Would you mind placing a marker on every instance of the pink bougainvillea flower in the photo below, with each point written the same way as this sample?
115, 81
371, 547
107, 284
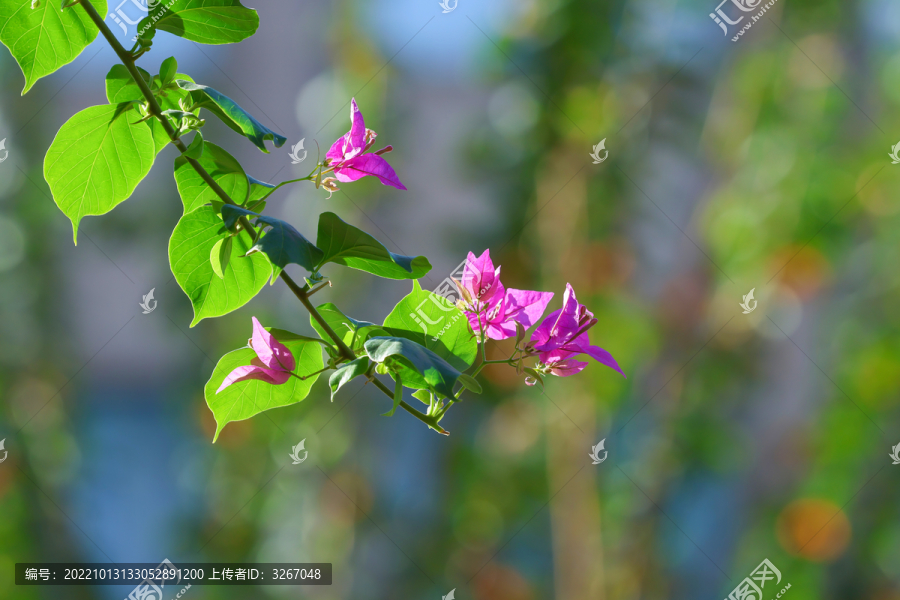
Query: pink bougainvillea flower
348, 155
480, 279
506, 308
273, 363
563, 335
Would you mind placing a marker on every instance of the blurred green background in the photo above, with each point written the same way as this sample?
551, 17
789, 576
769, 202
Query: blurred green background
761, 164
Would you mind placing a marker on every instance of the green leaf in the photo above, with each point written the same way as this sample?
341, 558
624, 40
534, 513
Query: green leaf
346, 245
45, 38
224, 169
430, 320
204, 21
258, 190
220, 256
438, 374
398, 396
189, 252
245, 399
346, 373
167, 71
470, 383
280, 242
97, 159
353, 333
120, 87
195, 150
232, 115
423, 396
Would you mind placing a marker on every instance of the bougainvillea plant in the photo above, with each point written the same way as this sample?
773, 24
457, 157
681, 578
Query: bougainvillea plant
225, 248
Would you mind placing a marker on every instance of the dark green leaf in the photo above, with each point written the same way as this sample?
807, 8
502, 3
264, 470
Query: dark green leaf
223, 168
439, 375
97, 159
42, 38
245, 399
346, 373
204, 21
280, 242
346, 245
189, 256
232, 115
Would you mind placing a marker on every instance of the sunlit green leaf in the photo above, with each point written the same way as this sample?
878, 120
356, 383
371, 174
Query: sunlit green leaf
347, 245
167, 70
44, 38
204, 21
97, 159
430, 320
189, 257
245, 399
224, 169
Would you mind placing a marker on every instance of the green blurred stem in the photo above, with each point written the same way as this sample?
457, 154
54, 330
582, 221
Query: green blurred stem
301, 293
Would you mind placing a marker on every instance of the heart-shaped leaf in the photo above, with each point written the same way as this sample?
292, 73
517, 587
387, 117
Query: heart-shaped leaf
280, 241
42, 38
353, 333
204, 21
189, 256
232, 114
438, 374
346, 373
225, 170
97, 159
431, 321
347, 245
245, 399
